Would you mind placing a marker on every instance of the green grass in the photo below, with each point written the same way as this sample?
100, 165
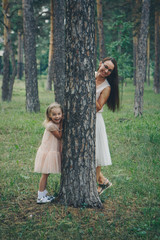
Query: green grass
131, 207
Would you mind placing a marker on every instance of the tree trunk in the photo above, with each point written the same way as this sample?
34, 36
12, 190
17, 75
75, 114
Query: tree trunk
148, 60
101, 30
157, 53
6, 67
136, 20
141, 64
32, 99
14, 71
78, 178
51, 49
20, 52
59, 51
20, 56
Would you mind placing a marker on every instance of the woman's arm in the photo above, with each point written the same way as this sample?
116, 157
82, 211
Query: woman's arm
103, 98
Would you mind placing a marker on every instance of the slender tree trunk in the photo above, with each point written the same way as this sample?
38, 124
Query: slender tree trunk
32, 99
59, 51
102, 49
148, 60
51, 49
141, 64
157, 53
20, 52
14, 71
78, 178
136, 20
6, 64
20, 56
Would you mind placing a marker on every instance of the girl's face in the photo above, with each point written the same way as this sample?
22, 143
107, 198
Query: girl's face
56, 115
106, 68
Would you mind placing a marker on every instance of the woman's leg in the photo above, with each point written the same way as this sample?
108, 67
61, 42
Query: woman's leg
98, 170
43, 182
101, 178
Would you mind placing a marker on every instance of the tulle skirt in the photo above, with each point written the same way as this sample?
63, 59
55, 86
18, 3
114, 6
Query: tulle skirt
103, 157
47, 162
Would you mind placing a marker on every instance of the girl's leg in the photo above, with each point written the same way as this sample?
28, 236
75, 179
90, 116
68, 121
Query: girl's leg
43, 182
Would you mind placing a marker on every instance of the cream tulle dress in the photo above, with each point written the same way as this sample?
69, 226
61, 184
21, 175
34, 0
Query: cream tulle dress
103, 157
48, 158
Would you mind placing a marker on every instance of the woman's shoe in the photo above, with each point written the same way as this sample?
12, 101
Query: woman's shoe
107, 184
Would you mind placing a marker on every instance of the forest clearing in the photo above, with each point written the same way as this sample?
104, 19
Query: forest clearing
130, 208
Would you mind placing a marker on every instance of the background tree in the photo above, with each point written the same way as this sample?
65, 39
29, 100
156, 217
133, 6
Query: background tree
59, 51
51, 49
20, 51
8, 74
141, 63
32, 99
102, 50
6, 68
78, 179
157, 50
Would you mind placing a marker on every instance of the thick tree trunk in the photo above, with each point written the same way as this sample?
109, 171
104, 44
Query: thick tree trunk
32, 99
6, 67
59, 51
20, 56
102, 49
157, 53
78, 179
51, 49
141, 64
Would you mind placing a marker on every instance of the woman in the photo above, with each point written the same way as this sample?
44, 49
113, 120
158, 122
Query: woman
107, 91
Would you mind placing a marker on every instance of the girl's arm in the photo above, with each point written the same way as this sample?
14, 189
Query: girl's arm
103, 98
58, 133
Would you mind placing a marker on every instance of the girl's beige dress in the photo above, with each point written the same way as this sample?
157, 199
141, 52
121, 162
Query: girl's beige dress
48, 158
103, 157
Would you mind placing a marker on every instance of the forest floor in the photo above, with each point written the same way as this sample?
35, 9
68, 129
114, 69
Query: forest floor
131, 208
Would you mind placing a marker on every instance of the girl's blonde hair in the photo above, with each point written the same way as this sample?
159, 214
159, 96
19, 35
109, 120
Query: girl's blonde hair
49, 109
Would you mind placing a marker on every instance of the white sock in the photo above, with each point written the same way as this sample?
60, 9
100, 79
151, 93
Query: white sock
41, 194
45, 192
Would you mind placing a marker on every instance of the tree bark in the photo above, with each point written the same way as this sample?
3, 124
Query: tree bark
20, 52
136, 20
78, 178
6, 62
148, 60
32, 99
157, 53
59, 51
14, 71
141, 64
102, 49
51, 49
20, 56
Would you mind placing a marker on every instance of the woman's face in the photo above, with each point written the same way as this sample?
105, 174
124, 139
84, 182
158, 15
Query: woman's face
106, 68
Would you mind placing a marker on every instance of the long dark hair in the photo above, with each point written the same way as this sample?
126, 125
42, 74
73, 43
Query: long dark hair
113, 100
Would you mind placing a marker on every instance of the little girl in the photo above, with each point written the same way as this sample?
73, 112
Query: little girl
48, 158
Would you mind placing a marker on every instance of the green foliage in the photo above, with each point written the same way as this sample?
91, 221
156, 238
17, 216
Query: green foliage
120, 48
131, 206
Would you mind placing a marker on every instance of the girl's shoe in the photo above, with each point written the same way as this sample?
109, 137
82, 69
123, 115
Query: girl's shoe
102, 187
45, 199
